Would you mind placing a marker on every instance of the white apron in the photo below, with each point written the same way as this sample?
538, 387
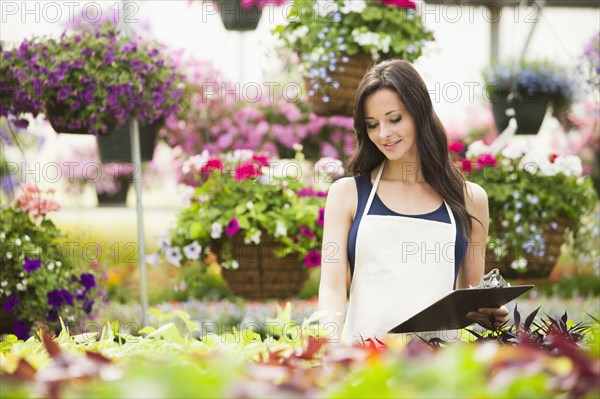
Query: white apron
402, 265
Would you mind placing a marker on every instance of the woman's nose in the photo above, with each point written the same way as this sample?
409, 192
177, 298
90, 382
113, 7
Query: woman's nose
384, 130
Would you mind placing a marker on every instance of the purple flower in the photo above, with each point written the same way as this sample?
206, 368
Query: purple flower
136, 64
54, 298
31, 265
232, 227
88, 281
312, 259
21, 75
67, 297
10, 303
75, 105
21, 329
129, 47
158, 98
63, 93
87, 52
88, 305
52, 314
21, 123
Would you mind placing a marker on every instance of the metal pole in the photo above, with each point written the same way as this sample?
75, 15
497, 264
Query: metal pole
136, 157
495, 32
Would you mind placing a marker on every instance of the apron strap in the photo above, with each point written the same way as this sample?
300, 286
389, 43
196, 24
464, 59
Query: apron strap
373, 190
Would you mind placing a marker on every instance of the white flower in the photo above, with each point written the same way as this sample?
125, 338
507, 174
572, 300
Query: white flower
8, 293
298, 147
280, 229
186, 193
216, 230
20, 287
477, 148
50, 266
254, 238
570, 165
153, 259
18, 242
297, 33
515, 149
174, 256
537, 162
195, 162
164, 243
239, 156
518, 264
235, 265
192, 251
4, 283
26, 237
8, 255
250, 205
353, 6
58, 263
3, 236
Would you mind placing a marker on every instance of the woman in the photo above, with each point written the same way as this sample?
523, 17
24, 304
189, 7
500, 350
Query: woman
408, 224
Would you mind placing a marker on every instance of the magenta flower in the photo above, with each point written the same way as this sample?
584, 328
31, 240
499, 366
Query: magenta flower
305, 231
246, 170
456, 147
232, 227
484, 160
31, 265
321, 218
312, 259
400, 3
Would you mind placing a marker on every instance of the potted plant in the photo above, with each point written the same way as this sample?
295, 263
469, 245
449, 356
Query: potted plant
264, 229
528, 87
537, 202
338, 40
93, 81
39, 282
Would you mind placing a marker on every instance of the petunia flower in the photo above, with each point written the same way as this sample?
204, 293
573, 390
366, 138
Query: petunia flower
312, 259
88, 281
174, 256
321, 218
305, 231
31, 265
232, 227
192, 251
11, 303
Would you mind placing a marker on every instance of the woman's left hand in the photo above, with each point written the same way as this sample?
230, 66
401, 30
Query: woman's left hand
483, 316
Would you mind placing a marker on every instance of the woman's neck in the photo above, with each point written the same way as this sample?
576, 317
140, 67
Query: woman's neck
405, 171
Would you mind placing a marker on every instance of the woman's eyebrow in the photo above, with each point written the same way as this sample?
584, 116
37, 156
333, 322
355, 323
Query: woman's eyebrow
386, 114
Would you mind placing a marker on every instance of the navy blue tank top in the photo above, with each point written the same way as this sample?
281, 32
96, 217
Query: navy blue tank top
363, 186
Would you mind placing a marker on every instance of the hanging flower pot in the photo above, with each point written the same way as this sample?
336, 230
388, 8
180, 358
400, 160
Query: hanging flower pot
116, 146
236, 17
529, 112
499, 107
69, 121
261, 274
337, 96
116, 194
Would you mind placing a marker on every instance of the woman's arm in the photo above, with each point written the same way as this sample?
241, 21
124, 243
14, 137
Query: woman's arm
473, 266
341, 204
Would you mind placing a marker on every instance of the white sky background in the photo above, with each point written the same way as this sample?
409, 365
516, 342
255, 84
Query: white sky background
458, 56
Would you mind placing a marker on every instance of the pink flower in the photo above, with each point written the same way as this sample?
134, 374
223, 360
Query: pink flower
211, 165
31, 201
400, 3
261, 160
247, 170
305, 231
232, 227
484, 160
465, 164
456, 147
312, 259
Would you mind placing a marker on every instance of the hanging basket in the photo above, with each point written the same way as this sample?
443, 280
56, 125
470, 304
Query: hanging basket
341, 100
499, 107
119, 198
530, 113
261, 274
237, 18
56, 112
116, 145
537, 266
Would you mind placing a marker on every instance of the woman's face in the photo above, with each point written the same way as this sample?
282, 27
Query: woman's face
390, 127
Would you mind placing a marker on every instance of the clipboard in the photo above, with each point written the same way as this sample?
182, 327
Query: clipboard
449, 313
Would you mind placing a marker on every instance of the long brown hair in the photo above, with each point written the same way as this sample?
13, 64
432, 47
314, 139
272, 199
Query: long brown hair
432, 143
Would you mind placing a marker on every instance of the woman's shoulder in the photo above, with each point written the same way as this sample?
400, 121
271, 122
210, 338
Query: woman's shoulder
344, 194
475, 196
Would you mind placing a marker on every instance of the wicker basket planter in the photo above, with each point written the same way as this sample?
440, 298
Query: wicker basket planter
341, 100
261, 274
537, 267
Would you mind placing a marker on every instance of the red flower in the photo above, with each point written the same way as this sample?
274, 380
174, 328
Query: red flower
247, 170
456, 147
465, 164
553, 157
484, 160
400, 3
312, 259
211, 166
